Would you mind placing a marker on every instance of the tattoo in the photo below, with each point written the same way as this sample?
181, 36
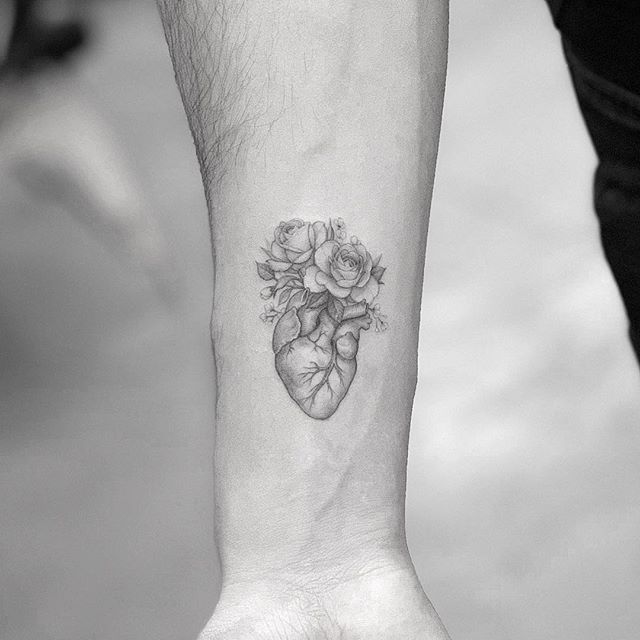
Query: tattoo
321, 296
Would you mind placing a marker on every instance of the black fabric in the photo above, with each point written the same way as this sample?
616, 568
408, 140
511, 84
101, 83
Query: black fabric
612, 115
601, 39
604, 35
555, 6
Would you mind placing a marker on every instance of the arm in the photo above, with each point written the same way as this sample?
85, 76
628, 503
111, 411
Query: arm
309, 113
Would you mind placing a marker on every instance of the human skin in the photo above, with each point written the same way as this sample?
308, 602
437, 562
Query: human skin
314, 111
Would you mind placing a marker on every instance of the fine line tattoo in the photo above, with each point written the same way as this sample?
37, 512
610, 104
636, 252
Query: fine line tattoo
321, 293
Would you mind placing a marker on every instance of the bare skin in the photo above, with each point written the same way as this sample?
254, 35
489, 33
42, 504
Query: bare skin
314, 111
385, 602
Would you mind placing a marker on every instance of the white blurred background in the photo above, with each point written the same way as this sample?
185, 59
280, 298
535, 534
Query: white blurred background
524, 482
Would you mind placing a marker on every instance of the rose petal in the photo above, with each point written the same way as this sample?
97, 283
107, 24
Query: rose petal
337, 291
286, 229
324, 255
303, 257
319, 233
342, 275
347, 284
299, 240
310, 281
348, 251
367, 293
278, 252
366, 271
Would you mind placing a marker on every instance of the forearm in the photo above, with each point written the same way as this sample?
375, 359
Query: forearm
312, 111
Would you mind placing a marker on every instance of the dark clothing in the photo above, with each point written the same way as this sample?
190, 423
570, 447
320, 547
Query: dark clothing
555, 7
601, 47
604, 36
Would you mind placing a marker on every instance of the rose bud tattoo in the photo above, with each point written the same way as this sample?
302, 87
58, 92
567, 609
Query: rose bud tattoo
320, 297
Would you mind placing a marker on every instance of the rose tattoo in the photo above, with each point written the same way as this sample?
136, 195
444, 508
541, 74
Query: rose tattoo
320, 297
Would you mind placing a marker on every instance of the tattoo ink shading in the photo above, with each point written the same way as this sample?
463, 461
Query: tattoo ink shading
319, 298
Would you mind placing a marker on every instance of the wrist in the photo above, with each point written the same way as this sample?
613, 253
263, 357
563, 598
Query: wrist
288, 495
379, 599
319, 537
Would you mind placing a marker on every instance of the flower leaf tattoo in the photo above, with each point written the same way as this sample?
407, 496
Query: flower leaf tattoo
320, 294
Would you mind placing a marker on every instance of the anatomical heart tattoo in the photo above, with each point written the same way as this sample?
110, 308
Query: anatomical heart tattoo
320, 297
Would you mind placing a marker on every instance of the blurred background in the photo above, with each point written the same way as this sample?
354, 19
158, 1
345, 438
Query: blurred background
524, 479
